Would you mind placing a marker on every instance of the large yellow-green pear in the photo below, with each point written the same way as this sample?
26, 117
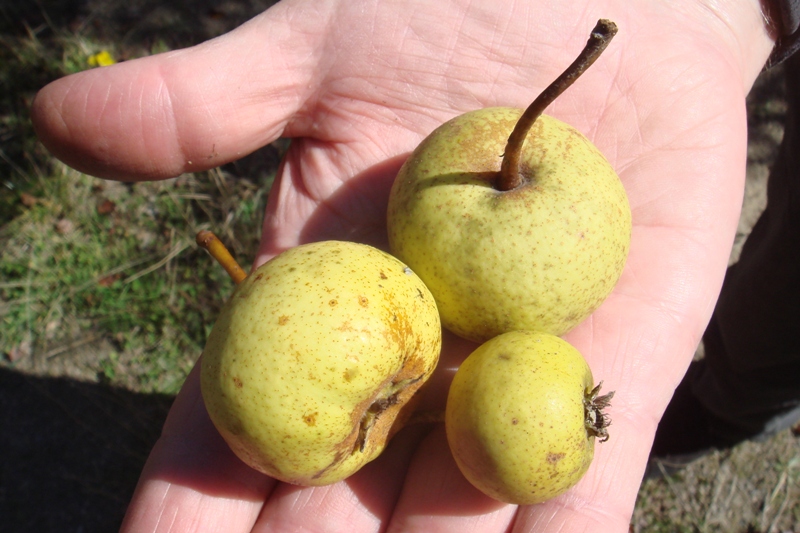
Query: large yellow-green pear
522, 416
539, 255
542, 256
311, 365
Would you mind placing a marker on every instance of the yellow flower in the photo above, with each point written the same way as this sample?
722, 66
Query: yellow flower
101, 59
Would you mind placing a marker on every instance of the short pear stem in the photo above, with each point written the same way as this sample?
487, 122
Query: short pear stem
209, 241
510, 176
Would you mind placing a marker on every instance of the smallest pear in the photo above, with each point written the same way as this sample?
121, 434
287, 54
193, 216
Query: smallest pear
522, 416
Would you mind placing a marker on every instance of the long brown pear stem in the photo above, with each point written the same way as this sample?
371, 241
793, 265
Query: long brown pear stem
510, 176
209, 241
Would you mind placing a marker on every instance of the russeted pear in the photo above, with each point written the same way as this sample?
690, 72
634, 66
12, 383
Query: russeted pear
522, 416
535, 238
314, 360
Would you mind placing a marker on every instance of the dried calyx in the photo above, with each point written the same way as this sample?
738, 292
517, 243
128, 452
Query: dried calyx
596, 420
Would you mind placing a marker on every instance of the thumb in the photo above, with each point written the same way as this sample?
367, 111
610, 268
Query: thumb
187, 110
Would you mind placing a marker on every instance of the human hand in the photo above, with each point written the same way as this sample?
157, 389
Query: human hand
357, 84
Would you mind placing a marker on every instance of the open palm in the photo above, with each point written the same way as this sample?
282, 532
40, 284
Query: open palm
358, 84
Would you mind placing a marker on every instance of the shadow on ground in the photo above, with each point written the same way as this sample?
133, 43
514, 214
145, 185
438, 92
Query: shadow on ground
71, 452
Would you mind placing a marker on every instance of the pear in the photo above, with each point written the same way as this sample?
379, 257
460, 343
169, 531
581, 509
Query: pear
522, 416
535, 239
313, 362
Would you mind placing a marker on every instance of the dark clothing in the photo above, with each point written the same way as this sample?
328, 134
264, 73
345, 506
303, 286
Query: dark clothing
752, 345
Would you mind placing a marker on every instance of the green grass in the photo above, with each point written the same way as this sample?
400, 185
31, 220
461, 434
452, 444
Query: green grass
132, 275
85, 260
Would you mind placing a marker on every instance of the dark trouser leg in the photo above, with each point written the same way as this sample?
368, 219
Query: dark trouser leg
753, 341
748, 385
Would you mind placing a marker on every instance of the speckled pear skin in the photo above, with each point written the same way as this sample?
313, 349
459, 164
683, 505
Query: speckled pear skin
312, 364
515, 417
540, 257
